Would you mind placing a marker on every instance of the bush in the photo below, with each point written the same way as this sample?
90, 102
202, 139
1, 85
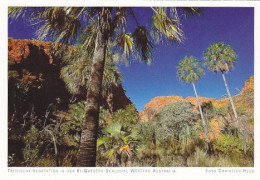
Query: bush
70, 131
116, 145
128, 116
229, 145
173, 119
33, 146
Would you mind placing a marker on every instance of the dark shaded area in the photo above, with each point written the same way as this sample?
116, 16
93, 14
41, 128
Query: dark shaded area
36, 93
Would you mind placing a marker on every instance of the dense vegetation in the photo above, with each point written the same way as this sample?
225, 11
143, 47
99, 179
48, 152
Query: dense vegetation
171, 139
174, 137
80, 127
99, 27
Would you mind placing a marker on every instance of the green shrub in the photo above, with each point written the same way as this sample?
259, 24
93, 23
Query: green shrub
127, 117
229, 145
70, 131
33, 145
116, 145
46, 161
173, 119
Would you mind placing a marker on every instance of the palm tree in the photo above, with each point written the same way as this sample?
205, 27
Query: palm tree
220, 57
76, 72
63, 24
190, 71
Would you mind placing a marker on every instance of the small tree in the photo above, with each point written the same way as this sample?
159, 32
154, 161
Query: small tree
175, 132
173, 120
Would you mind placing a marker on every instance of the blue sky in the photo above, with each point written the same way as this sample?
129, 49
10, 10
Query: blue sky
234, 26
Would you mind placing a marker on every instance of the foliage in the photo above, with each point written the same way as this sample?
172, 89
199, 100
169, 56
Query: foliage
171, 139
46, 161
189, 70
11, 161
201, 159
123, 141
27, 119
220, 57
144, 131
64, 24
33, 146
166, 24
229, 145
71, 130
170, 135
208, 109
128, 116
76, 71
173, 120
18, 92
116, 143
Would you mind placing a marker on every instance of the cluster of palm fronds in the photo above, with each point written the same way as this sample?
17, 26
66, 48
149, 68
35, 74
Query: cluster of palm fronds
76, 72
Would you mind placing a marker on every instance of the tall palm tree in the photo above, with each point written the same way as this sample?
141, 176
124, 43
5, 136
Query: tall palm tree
64, 24
190, 71
220, 57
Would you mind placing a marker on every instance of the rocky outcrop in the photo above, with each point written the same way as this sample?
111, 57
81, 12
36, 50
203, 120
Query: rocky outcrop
244, 103
249, 86
156, 103
152, 107
37, 64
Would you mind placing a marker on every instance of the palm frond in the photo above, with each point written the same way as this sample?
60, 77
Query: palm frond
189, 70
76, 72
189, 11
220, 57
125, 42
15, 12
143, 43
104, 140
61, 23
26, 13
114, 130
164, 26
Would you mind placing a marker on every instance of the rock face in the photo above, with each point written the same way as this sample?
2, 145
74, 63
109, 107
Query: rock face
249, 86
156, 103
36, 64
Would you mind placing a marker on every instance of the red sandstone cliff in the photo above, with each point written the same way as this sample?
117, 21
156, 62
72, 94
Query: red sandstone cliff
152, 107
36, 64
244, 102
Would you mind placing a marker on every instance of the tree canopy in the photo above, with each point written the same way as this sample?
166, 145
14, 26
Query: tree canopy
220, 57
189, 70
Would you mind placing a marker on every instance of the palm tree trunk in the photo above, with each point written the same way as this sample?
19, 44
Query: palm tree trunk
206, 132
235, 113
87, 150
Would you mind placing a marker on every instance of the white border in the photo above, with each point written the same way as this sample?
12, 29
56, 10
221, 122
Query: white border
181, 173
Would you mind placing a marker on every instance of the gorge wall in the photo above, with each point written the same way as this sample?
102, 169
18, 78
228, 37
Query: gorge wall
156, 103
36, 64
244, 103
